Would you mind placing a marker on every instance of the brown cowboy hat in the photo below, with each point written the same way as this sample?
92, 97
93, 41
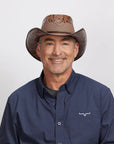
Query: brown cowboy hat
61, 24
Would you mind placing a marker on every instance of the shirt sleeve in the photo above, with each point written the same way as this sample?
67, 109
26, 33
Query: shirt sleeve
107, 119
7, 129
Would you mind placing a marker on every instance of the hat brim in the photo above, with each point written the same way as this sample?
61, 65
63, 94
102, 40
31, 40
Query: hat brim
35, 33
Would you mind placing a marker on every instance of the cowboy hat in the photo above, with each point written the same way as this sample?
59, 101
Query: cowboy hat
62, 25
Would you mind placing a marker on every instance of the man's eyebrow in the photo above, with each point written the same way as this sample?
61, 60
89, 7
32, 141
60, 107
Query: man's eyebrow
48, 39
67, 39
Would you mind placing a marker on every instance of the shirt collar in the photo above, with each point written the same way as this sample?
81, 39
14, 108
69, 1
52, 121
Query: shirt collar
40, 85
71, 82
68, 86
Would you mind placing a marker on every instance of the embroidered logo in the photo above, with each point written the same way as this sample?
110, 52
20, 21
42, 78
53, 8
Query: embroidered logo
84, 114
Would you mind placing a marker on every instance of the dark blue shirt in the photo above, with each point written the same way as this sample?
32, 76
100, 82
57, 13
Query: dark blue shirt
84, 114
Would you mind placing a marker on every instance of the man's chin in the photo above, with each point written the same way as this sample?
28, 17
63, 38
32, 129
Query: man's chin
57, 72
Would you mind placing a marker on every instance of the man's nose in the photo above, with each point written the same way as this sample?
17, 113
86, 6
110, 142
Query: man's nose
57, 49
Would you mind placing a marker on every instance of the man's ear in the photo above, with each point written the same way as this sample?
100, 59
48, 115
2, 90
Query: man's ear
38, 49
76, 49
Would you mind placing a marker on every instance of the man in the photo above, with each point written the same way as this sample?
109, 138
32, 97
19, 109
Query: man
61, 106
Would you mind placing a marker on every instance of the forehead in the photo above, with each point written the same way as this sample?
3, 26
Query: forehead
55, 37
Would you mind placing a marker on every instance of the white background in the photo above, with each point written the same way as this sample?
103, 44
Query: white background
17, 17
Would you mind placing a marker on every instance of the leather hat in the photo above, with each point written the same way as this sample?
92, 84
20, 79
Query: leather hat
62, 25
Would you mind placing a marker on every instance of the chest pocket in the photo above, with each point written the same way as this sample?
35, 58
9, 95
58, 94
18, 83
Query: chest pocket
84, 125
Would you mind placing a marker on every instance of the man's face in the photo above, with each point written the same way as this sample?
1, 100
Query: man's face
57, 53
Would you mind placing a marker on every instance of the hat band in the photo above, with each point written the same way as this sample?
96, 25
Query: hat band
62, 28
58, 33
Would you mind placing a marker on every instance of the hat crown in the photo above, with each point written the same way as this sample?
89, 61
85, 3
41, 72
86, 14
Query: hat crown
57, 19
58, 23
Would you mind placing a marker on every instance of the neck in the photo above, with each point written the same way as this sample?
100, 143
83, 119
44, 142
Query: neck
54, 81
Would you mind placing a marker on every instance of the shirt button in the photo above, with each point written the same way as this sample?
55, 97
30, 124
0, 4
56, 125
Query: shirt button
59, 124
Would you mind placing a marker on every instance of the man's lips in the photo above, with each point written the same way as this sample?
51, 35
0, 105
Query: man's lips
57, 60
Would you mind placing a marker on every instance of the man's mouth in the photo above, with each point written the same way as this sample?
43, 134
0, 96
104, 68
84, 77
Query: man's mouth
57, 60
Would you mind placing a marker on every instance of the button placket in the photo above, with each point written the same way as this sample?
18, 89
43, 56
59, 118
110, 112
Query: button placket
60, 117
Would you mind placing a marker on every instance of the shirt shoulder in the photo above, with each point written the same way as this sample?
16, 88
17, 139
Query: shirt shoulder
92, 86
89, 82
24, 91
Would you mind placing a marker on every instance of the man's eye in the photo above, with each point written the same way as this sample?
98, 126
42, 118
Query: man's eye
49, 43
65, 43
